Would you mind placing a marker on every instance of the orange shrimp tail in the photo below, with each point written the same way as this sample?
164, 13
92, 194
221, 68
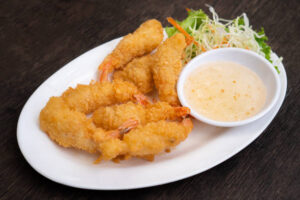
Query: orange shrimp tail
141, 99
106, 62
104, 69
182, 111
128, 125
124, 128
104, 76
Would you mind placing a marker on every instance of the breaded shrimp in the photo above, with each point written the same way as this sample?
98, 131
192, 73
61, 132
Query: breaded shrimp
86, 98
64, 118
156, 137
168, 67
70, 128
146, 141
111, 117
139, 72
144, 40
120, 128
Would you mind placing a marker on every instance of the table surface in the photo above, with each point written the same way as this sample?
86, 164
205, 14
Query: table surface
39, 37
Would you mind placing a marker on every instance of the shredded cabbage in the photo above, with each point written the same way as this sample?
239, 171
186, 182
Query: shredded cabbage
219, 33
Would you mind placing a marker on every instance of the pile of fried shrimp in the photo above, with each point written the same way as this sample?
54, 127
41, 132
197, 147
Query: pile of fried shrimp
119, 118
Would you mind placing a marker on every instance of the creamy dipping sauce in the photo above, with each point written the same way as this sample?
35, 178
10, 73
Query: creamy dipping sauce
225, 91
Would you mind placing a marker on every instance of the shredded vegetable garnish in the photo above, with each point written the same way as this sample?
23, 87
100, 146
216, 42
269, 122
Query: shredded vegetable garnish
206, 34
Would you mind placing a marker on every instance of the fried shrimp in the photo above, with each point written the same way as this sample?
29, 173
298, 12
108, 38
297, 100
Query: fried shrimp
70, 128
146, 141
168, 67
86, 98
139, 72
67, 127
156, 137
64, 118
111, 117
144, 40
114, 118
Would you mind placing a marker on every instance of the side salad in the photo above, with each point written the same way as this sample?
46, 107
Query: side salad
204, 34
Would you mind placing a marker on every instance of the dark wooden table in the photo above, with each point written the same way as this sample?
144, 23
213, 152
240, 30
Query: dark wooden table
39, 37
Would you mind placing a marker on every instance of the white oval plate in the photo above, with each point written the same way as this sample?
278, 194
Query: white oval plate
206, 146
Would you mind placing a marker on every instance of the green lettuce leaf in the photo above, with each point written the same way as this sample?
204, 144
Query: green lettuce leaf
241, 21
195, 17
265, 48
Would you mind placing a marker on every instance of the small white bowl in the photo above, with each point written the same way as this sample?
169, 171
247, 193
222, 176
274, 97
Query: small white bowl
255, 62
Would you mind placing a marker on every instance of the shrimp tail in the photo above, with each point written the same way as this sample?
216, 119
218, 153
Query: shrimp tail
182, 111
124, 128
128, 125
142, 99
104, 69
118, 134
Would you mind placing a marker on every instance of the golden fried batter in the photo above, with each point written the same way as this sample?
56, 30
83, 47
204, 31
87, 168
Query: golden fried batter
119, 128
64, 118
86, 98
111, 117
144, 40
146, 141
156, 137
112, 148
139, 72
168, 67
69, 128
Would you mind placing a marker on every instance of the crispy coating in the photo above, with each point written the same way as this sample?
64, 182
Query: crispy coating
156, 137
112, 131
108, 117
64, 118
147, 140
144, 40
112, 148
112, 117
86, 98
168, 67
139, 72
67, 127
70, 128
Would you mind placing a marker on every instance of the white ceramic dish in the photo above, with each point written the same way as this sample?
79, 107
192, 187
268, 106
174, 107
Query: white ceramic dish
206, 146
256, 63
